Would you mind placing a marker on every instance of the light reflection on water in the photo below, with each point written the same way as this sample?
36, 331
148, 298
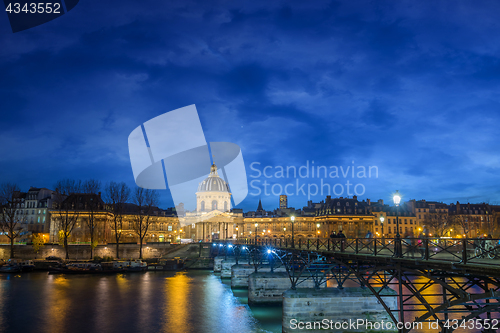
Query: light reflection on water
195, 301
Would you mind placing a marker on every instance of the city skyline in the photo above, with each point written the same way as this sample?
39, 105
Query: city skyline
409, 88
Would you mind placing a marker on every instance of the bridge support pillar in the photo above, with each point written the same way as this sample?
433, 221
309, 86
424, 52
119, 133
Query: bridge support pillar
241, 272
226, 268
332, 308
218, 264
239, 275
268, 287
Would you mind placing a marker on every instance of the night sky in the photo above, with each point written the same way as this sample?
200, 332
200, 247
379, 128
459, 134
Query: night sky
411, 87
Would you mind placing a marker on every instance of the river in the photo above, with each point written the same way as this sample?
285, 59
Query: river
177, 302
194, 301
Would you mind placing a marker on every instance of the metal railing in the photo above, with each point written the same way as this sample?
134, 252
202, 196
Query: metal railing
459, 250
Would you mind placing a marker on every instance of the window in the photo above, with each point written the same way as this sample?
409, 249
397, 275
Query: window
338, 203
411, 221
39, 211
38, 219
406, 222
419, 216
214, 204
169, 228
347, 204
225, 206
202, 205
44, 219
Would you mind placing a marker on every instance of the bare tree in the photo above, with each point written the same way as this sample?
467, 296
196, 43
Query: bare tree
146, 201
12, 216
93, 205
67, 207
116, 196
439, 223
463, 222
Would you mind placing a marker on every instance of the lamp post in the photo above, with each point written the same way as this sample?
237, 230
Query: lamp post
317, 227
397, 200
382, 224
256, 225
292, 218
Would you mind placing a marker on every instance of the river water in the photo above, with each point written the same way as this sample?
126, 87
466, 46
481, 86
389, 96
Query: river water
177, 302
194, 301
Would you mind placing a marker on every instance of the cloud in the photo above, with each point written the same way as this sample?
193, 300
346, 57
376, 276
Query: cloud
409, 87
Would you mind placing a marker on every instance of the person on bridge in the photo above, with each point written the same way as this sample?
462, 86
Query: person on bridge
342, 237
420, 245
333, 234
369, 237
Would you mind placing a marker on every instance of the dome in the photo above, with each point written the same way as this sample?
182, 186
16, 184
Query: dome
213, 183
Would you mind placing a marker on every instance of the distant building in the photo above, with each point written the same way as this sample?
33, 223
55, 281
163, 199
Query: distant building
37, 209
283, 201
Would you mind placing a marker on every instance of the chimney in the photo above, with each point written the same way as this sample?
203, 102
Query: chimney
381, 201
369, 202
355, 197
328, 198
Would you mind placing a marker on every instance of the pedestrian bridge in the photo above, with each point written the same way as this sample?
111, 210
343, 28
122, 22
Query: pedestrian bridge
435, 279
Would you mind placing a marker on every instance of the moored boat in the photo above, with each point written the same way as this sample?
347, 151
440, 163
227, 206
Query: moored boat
136, 265
10, 268
22, 265
167, 265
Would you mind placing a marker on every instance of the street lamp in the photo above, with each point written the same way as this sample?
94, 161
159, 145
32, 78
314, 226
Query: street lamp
397, 200
382, 224
256, 225
292, 218
317, 227
284, 232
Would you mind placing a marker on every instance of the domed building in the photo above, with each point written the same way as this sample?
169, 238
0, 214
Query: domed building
212, 218
213, 193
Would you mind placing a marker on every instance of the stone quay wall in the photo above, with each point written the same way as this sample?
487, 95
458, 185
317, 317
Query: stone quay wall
267, 287
334, 305
79, 252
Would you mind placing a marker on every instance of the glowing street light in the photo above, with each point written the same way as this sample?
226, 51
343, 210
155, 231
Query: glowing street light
397, 251
256, 225
382, 224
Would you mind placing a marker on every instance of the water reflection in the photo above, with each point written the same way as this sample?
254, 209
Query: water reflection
57, 303
177, 293
142, 302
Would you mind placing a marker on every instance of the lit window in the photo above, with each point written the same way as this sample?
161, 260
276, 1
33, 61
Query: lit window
169, 228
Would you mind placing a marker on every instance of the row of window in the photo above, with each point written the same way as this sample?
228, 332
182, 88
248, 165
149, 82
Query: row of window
214, 205
38, 220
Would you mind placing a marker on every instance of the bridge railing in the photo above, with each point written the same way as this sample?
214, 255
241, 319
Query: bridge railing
460, 250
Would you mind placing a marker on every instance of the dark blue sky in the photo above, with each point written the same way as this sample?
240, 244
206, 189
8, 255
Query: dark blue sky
410, 87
